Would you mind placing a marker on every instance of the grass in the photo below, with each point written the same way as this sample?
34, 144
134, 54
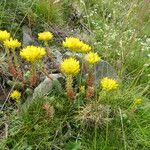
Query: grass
32, 128
119, 33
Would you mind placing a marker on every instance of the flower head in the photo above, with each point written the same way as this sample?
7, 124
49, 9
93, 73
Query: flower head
12, 43
82, 89
15, 95
4, 35
32, 53
45, 36
92, 57
137, 101
74, 44
70, 66
85, 48
108, 84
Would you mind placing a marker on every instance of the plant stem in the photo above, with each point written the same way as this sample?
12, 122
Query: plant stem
33, 74
95, 136
69, 88
123, 132
15, 58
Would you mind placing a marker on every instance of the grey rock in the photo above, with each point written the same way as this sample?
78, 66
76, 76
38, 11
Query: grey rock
27, 36
69, 54
46, 86
58, 56
52, 63
104, 69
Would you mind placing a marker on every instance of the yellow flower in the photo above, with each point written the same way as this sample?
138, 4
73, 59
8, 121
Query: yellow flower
4, 35
92, 57
70, 66
45, 36
82, 89
32, 53
108, 84
15, 95
74, 44
85, 48
137, 101
12, 43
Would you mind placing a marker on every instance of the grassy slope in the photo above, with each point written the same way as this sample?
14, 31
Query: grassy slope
120, 35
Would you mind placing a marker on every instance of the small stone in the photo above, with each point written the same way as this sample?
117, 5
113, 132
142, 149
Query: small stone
46, 86
104, 69
27, 36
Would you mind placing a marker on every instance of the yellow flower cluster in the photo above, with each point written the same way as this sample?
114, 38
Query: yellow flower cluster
137, 101
108, 84
4, 35
92, 57
45, 36
76, 45
32, 53
12, 43
82, 89
70, 66
15, 95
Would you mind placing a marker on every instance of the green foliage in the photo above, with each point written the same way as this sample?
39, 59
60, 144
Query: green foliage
16, 13
49, 11
127, 126
73, 146
120, 34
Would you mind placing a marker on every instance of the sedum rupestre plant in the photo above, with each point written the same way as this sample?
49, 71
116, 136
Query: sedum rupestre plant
70, 67
83, 103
